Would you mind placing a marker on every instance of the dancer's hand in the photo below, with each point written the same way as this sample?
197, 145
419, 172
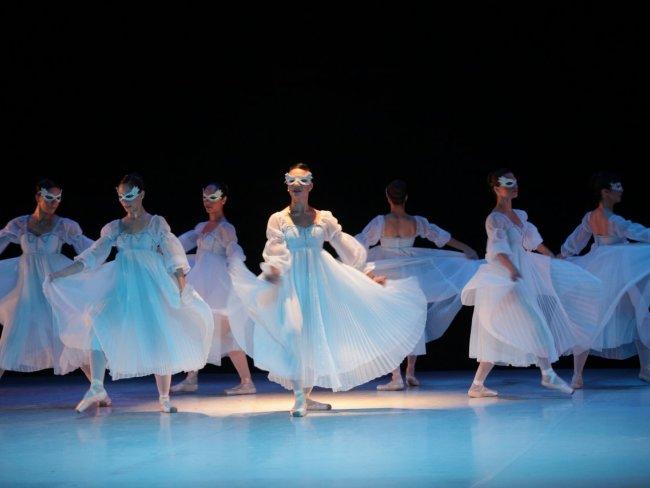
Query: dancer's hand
273, 276
470, 253
515, 274
180, 278
377, 279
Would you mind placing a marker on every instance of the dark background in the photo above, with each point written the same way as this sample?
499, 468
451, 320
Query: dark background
436, 97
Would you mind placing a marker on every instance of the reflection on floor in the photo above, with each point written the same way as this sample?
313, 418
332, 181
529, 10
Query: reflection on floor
432, 435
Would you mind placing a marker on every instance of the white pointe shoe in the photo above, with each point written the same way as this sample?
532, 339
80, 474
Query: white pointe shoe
412, 380
188, 385
554, 382
577, 382
107, 402
392, 385
317, 406
299, 408
242, 389
165, 405
476, 391
644, 376
95, 394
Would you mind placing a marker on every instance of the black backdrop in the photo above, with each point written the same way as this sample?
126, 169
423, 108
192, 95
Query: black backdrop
437, 98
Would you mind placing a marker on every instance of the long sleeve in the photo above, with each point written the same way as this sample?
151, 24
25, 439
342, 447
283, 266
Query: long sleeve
189, 239
11, 233
578, 239
371, 233
170, 246
497, 243
432, 232
97, 253
227, 237
75, 237
276, 253
347, 247
630, 230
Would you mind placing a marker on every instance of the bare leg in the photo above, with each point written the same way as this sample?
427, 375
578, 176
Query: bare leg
644, 360
246, 386
2, 371
478, 389
163, 382
579, 360
411, 380
395, 384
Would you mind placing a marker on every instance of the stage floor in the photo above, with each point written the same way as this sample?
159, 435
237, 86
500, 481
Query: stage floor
432, 435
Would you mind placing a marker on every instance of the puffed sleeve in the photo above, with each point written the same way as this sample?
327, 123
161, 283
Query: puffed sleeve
97, 253
75, 237
227, 237
189, 239
276, 253
629, 229
532, 237
347, 247
171, 248
432, 232
12, 232
496, 227
371, 233
578, 239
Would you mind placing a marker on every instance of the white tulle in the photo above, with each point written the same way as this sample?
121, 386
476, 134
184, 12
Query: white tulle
441, 274
324, 323
215, 251
624, 269
552, 310
30, 341
131, 308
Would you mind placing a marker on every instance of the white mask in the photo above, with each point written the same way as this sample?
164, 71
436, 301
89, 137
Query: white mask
618, 186
212, 197
507, 182
301, 180
130, 195
50, 197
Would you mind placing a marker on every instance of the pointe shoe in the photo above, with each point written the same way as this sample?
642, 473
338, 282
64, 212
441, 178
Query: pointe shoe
644, 376
299, 408
412, 380
317, 406
106, 402
577, 382
95, 394
186, 386
476, 391
554, 382
241, 389
392, 385
165, 405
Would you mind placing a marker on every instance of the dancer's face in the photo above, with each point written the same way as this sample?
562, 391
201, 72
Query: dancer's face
613, 196
297, 188
49, 201
211, 205
129, 201
507, 189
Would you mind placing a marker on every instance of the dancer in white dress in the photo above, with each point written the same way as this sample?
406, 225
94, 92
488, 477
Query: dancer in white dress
30, 340
528, 308
313, 320
134, 315
624, 269
441, 274
216, 244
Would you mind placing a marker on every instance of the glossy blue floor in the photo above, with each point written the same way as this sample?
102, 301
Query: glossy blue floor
432, 435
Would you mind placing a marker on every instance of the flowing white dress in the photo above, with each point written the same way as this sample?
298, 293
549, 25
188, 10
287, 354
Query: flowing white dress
131, 307
441, 274
215, 251
325, 323
624, 269
549, 312
30, 341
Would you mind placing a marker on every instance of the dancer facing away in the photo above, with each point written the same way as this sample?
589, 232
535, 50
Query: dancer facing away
441, 274
216, 244
528, 308
134, 315
313, 320
30, 340
624, 269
